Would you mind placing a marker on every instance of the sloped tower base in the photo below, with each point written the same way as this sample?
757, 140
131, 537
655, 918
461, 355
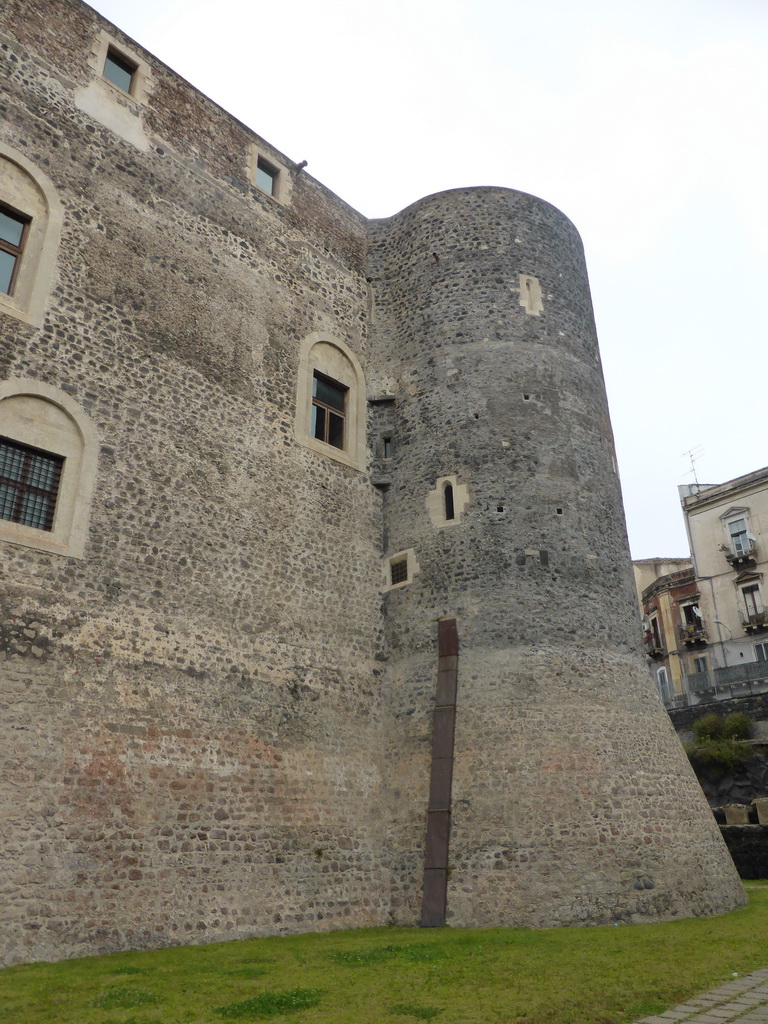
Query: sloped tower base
594, 818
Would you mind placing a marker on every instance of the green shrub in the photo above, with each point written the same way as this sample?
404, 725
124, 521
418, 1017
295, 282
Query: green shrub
737, 726
715, 758
708, 727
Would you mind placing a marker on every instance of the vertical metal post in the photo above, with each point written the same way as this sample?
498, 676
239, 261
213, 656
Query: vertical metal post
434, 901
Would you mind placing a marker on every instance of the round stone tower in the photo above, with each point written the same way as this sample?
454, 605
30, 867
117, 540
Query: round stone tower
535, 778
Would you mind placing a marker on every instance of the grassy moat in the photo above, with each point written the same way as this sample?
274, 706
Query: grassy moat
605, 975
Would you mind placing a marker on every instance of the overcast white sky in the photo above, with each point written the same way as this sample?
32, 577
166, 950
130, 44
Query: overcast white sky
645, 121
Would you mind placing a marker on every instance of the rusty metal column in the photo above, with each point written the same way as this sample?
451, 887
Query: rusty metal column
433, 907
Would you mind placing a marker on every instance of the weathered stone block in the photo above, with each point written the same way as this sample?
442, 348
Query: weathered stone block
736, 814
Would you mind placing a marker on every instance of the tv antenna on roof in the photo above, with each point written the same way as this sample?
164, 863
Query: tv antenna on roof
694, 454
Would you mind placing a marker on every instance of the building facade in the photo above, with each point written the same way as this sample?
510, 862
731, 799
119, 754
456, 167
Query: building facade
673, 632
302, 517
727, 528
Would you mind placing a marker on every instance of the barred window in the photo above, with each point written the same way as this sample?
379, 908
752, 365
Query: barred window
29, 484
398, 571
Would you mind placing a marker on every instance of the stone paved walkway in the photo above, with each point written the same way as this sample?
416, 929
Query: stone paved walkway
743, 1000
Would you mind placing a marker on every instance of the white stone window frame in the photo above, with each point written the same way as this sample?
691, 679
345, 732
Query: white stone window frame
77, 446
23, 186
283, 181
733, 515
107, 103
141, 80
408, 555
436, 501
330, 357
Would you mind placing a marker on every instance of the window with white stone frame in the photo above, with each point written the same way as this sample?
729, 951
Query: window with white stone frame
30, 227
330, 401
48, 458
268, 173
29, 484
400, 569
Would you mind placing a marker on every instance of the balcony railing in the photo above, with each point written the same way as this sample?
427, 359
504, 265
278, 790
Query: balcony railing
754, 621
741, 551
723, 684
654, 648
691, 635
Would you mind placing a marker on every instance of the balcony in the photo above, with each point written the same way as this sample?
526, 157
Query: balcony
745, 680
692, 636
653, 646
742, 551
754, 621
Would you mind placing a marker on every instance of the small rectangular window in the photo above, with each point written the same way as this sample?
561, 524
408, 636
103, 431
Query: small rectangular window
328, 410
699, 664
387, 447
29, 485
450, 512
761, 652
13, 230
398, 571
119, 70
266, 176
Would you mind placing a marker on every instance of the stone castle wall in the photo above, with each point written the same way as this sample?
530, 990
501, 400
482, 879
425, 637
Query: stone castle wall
214, 725
189, 740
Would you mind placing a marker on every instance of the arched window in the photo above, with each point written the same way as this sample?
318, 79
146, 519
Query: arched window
48, 454
30, 227
448, 502
330, 401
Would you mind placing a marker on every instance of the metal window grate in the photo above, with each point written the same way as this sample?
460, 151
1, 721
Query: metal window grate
29, 484
398, 571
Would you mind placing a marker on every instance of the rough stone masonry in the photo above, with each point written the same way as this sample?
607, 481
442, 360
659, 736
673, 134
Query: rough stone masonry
284, 443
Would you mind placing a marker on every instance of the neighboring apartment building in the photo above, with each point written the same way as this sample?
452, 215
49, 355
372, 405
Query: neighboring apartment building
705, 626
673, 631
727, 527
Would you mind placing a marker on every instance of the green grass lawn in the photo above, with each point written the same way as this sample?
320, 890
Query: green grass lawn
401, 975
